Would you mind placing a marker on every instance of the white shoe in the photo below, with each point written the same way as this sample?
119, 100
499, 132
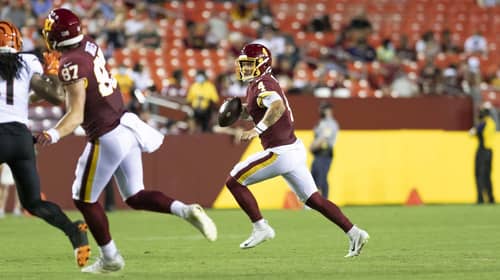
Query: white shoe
198, 218
258, 236
17, 212
356, 243
105, 266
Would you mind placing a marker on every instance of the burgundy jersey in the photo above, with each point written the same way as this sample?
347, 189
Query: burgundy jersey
103, 101
280, 133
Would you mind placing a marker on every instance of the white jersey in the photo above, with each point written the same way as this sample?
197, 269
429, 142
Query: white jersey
14, 95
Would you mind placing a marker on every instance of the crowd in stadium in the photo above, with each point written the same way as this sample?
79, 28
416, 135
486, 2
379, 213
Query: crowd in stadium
325, 48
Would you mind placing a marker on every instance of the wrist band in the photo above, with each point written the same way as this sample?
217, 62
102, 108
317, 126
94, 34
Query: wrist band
54, 135
261, 127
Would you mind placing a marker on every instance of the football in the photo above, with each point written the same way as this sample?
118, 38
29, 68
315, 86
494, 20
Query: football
230, 111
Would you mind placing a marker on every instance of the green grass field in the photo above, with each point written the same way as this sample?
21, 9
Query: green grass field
426, 242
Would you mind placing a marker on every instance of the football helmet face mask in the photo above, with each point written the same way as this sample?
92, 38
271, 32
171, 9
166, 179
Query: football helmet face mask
254, 61
11, 40
62, 28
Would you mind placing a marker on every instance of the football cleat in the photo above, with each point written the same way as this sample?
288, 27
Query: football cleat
356, 243
102, 265
199, 219
259, 235
80, 243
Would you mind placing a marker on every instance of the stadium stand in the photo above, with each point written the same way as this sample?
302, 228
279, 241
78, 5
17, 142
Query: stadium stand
344, 54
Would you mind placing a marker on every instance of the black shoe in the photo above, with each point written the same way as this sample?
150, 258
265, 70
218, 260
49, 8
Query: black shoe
80, 243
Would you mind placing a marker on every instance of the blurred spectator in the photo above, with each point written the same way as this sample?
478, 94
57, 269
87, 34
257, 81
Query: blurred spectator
447, 44
488, 3
403, 86
202, 96
360, 27
472, 80
176, 87
196, 35
427, 45
320, 23
148, 36
476, 44
430, 77
236, 87
115, 29
283, 68
16, 12
41, 7
125, 83
301, 81
75, 6
136, 23
241, 11
325, 135
95, 24
141, 77
7, 183
362, 52
451, 82
107, 9
217, 30
236, 42
274, 41
264, 14
30, 34
386, 52
495, 81
405, 51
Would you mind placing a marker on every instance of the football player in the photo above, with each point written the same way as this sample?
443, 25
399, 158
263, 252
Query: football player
283, 154
20, 73
116, 139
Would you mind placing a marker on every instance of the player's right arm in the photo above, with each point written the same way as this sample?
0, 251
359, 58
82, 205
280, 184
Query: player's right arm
75, 102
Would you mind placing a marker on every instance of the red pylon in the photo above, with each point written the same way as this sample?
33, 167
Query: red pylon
291, 201
413, 198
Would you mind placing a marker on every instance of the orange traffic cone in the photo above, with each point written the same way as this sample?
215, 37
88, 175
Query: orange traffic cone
291, 201
413, 198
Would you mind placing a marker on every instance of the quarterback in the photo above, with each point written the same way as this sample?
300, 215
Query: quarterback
284, 154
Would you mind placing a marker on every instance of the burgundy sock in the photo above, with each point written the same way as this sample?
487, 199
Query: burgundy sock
96, 220
329, 210
151, 201
245, 199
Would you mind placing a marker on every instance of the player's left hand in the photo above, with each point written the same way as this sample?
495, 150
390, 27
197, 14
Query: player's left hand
248, 135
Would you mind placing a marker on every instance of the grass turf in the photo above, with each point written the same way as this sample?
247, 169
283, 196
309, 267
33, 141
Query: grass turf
426, 242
